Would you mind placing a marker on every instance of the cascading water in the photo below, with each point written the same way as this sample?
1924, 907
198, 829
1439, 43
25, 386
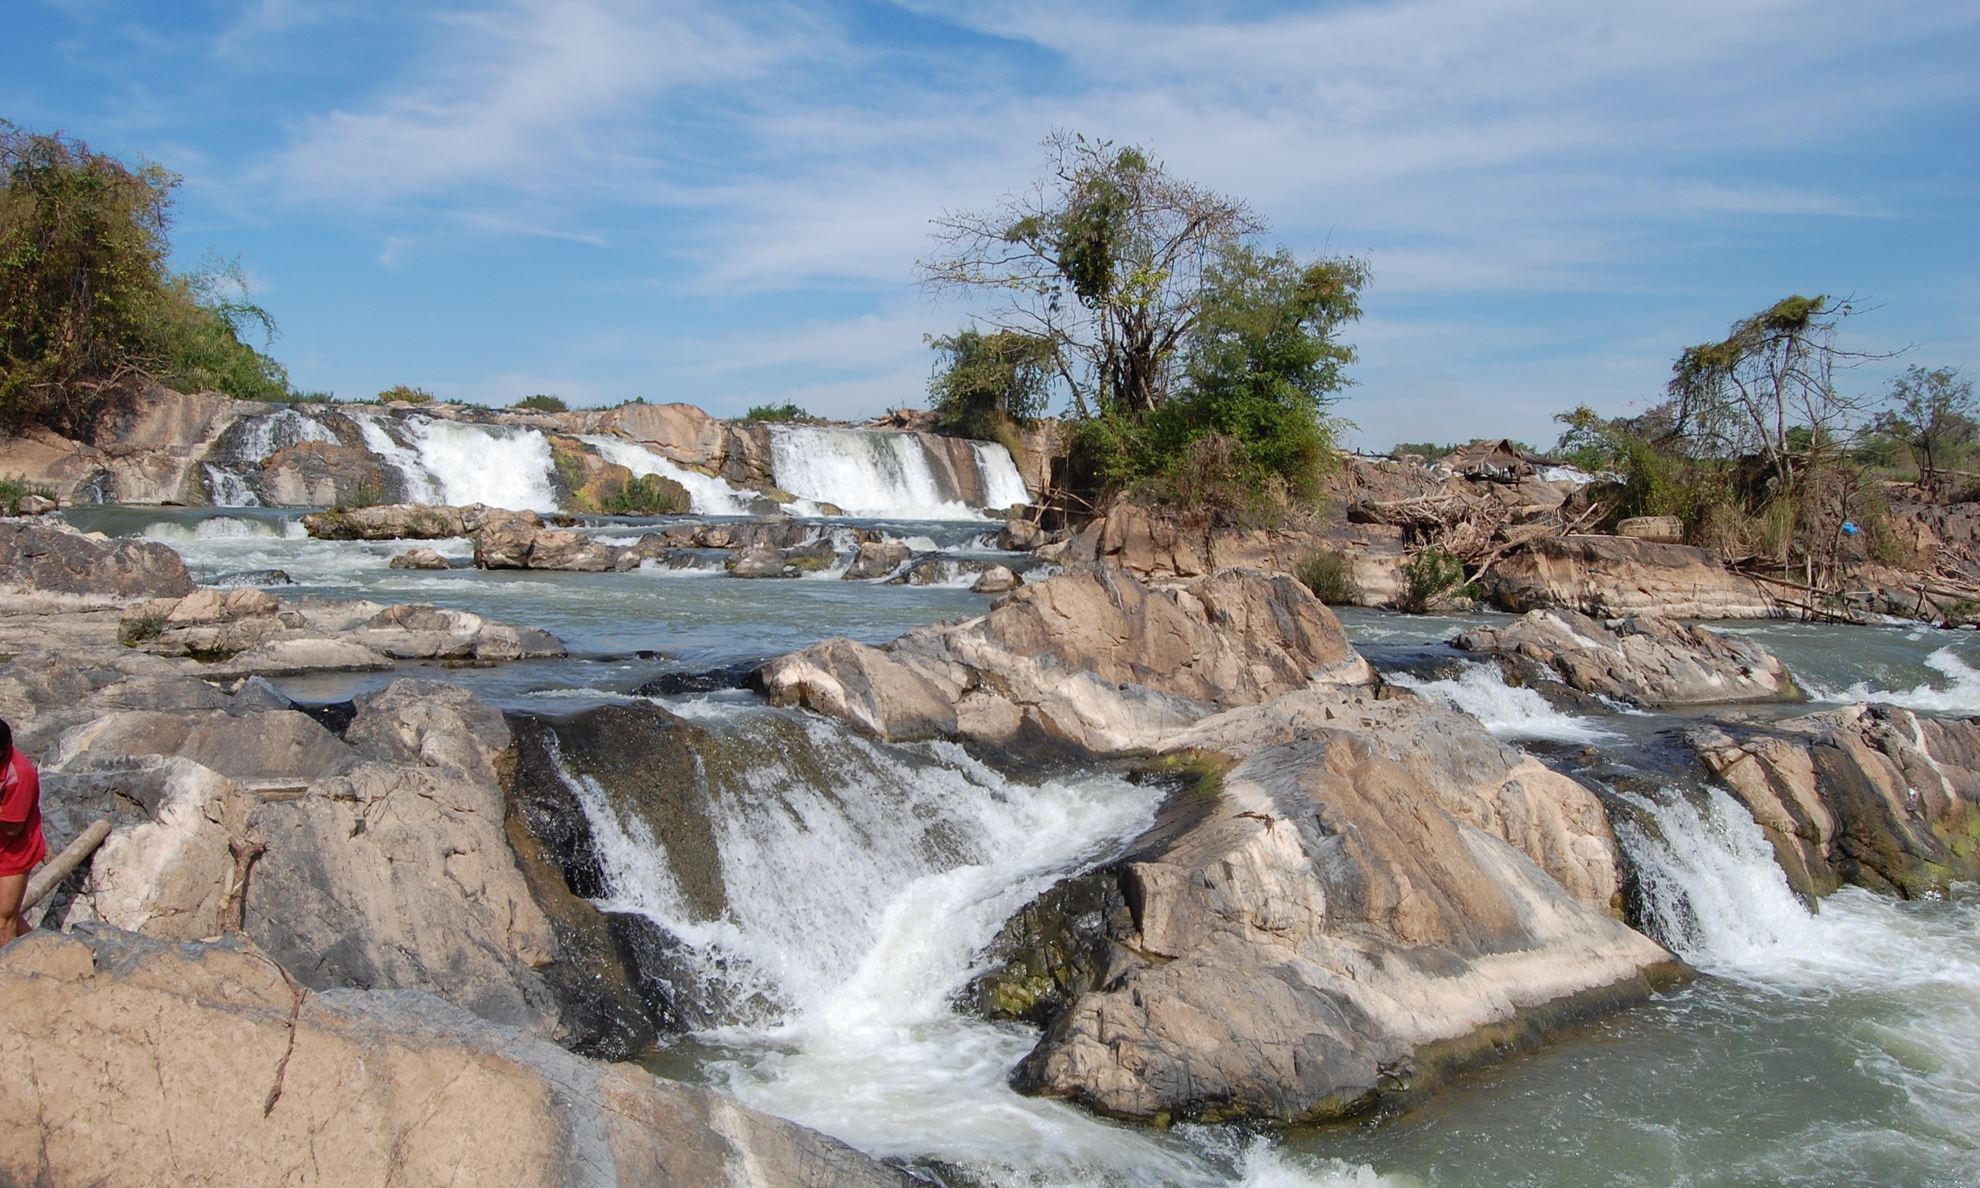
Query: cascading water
708, 496
250, 442
860, 883
441, 461
884, 474
1508, 712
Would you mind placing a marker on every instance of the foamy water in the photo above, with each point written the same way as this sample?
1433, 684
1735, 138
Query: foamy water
1507, 711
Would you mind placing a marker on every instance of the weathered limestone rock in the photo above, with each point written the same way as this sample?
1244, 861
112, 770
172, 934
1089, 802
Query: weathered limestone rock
1874, 795
876, 559
38, 557
760, 561
1612, 576
682, 432
996, 580
1088, 662
320, 473
1643, 659
409, 521
142, 1062
419, 559
1348, 917
250, 631
37, 505
1664, 529
279, 747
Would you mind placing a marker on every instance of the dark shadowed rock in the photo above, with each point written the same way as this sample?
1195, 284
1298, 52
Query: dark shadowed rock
37, 557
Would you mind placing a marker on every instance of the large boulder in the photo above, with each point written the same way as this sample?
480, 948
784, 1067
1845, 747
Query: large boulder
1873, 795
1613, 576
1350, 915
683, 432
248, 631
55, 560
876, 559
1643, 659
1089, 662
408, 521
144, 1062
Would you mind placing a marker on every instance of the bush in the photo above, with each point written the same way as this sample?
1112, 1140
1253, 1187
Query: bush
984, 384
13, 490
405, 395
542, 402
1329, 573
648, 495
140, 628
778, 412
1428, 575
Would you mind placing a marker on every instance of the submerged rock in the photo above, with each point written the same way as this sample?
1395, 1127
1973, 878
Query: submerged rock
1642, 659
164, 1063
1872, 795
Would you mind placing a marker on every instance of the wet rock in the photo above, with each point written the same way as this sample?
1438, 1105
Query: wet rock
1872, 795
1613, 576
1089, 662
760, 561
1643, 659
249, 631
42, 558
1020, 535
409, 521
876, 559
419, 559
135, 1037
1346, 922
996, 580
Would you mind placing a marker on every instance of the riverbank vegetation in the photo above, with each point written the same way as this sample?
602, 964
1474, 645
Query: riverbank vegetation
1198, 366
90, 309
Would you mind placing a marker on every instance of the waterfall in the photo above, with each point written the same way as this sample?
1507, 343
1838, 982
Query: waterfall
708, 496
448, 462
1708, 883
250, 442
885, 474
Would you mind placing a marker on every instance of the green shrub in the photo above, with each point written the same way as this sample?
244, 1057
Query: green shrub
778, 412
13, 490
405, 394
542, 402
1430, 574
648, 495
133, 630
1329, 573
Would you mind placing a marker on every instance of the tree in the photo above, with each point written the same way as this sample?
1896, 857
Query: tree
1931, 413
1772, 375
1179, 343
984, 383
88, 308
1105, 260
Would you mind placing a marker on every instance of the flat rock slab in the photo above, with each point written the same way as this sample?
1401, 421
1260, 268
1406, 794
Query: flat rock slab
1644, 659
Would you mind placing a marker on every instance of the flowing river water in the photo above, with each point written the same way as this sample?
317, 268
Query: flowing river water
862, 882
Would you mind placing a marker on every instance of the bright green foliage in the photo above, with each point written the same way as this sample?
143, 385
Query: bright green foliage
985, 383
1932, 414
88, 308
647, 495
543, 402
405, 394
13, 490
785, 412
1428, 575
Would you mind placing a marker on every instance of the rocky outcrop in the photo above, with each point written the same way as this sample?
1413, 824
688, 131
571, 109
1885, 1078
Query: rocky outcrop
1375, 895
1643, 659
1090, 662
419, 559
409, 521
997, 579
1872, 795
248, 631
876, 559
1613, 576
54, 560
145, 1062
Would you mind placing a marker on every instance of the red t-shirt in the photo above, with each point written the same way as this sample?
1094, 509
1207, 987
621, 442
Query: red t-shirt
20, 803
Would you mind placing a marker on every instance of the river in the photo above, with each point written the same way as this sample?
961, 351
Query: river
1831, 1047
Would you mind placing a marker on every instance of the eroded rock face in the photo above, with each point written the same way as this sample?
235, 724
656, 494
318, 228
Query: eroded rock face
1613, 576
248, 631
1088, 662
143, 1062
1873, 795
1349, 917
43, 558
408, 521
1643, 659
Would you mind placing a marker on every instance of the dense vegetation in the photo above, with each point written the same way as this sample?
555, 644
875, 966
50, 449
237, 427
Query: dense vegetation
90, 311
779, 413
1197, 367
542, 402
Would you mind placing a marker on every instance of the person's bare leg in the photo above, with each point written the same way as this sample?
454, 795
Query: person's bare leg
12, 889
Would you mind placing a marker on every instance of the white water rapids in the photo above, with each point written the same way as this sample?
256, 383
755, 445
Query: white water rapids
885, 474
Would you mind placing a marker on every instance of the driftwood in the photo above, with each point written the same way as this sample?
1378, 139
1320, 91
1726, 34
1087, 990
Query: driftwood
58, 868
233, 909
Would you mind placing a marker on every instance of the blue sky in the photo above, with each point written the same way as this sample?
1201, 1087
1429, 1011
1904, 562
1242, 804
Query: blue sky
723, 202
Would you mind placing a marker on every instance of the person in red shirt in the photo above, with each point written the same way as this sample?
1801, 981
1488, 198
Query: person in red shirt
21, 845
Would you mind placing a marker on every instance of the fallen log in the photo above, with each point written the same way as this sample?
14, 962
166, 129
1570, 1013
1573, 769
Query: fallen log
73, 855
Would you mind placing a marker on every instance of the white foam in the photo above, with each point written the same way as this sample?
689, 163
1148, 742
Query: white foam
878, 473
1506, 711
708, 496
500, 466
1959, 695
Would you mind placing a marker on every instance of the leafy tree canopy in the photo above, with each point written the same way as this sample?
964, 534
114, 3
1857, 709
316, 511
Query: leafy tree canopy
1932, 413
88, 307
